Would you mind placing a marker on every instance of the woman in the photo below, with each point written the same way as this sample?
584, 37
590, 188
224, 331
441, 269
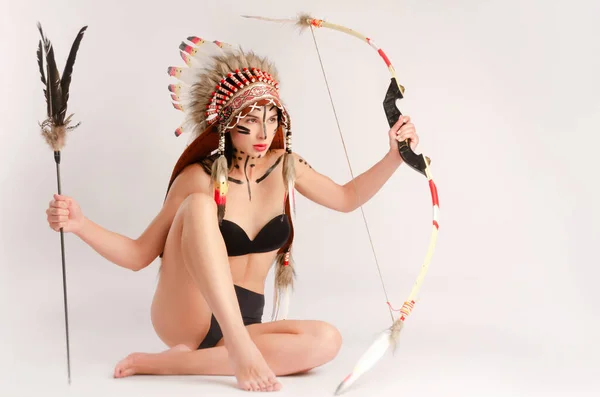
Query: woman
227, 217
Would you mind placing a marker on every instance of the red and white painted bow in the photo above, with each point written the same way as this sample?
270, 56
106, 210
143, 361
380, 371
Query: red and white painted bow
389, 338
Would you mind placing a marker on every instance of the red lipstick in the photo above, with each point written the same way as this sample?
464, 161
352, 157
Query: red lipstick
260, 147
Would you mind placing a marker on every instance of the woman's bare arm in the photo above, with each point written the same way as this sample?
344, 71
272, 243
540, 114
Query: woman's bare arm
348, 197
117, 248
136, 254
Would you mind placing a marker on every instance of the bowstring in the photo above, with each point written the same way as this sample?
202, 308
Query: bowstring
351, 172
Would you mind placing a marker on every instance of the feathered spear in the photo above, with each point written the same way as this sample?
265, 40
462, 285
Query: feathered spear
56, 125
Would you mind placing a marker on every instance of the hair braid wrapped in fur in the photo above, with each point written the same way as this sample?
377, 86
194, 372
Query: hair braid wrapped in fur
219, 176
285, 272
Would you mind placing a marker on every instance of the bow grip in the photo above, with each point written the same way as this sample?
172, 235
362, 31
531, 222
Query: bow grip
415, 161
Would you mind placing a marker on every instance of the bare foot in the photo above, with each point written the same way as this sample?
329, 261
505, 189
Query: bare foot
147, 363
250, 368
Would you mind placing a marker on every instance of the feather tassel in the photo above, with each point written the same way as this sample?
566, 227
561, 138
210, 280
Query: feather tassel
289, 177
219, 177
68, 70
41, 64
388, 339
367, 360
285, 273
395, 331
56, 90
281, 303
284, 285
302, 21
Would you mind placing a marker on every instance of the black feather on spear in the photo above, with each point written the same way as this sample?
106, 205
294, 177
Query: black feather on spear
56, 125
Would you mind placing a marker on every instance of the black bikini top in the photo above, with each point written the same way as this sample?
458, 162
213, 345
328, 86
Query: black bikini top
271, 237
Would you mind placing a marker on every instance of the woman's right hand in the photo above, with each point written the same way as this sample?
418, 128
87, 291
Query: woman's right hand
64, 212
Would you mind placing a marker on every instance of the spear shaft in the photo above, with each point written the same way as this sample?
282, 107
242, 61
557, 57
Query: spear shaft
64, 272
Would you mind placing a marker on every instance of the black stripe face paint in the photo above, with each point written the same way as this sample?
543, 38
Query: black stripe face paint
247, 180
265, 121
271, 168
243, 130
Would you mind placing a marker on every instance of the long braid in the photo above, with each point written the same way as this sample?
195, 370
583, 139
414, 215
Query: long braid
285, 270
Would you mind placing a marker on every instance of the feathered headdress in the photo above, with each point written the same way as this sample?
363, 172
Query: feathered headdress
217, 88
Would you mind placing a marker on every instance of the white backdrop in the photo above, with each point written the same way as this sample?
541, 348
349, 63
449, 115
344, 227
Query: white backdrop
504, 95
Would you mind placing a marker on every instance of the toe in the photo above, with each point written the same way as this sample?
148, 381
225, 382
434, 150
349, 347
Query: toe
247, 386
262, 385
126, 367
127, 372
118, 373
255, 386
276, 386
269, 383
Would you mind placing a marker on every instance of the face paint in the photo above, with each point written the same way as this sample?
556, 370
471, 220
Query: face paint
247, 179
265, 121
243, 130
271, 168
248, 135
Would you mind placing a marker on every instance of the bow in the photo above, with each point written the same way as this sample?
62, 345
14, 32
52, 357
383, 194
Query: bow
419, 163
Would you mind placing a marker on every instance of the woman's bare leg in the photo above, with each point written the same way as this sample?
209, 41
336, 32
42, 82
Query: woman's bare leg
204, 255
289, 347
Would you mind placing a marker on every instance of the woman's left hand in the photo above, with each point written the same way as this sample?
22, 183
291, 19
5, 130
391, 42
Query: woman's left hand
402, 130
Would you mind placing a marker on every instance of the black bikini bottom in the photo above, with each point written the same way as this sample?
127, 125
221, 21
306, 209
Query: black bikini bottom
251, 306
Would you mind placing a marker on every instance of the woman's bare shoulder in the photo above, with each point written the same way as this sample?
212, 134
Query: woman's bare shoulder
192, 179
